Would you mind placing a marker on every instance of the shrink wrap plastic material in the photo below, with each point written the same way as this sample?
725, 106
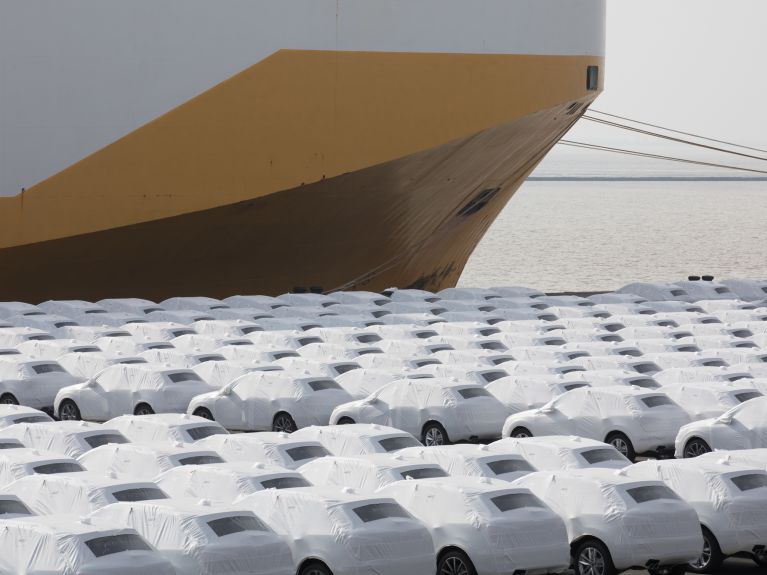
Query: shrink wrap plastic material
599, 503
87, 365
78, 494
353, 534
71, 546
358, 438
562, 453
472, 461
221, 373
18, 463
11, 414
146, 461
227, 482
168, 428
730, 499
70, 438
268, 447
501, 527
186, 532
33, 382
367, 473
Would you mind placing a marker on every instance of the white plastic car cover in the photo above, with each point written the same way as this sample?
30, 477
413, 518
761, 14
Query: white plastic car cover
146, 461
268, 447
130, 305
12, 507
250, 352
12, 336
226, 328
69, 307
746, 457
637, 520
70, 438
345, 335
165, 428
357, 439
185, 316
55, 348
87, 365
130, 345
10, 308
471, 294
258, 401
200, 538
520, 393
350, 533
11, 414
220, 373
609, 377
730, 499
368, 473
264, 301
227, 482
466, 373
562, 452
461, 410
158, 330
198, 303
32, 382
78, 494
288, 339
706, 399
112, 319
63, 545
335, 352
196, 343
396, 294
486, 357
471, 461
362, 382
656, 291
49, 323
502, 528
18, 463
179, 357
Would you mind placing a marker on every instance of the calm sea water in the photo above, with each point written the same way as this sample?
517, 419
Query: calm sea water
597, 235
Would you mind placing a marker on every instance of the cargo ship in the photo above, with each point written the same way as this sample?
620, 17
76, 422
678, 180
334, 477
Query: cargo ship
185, 147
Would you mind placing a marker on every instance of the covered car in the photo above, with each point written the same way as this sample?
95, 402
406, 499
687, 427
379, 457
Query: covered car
204, 539
32, 382
707, 290
18, 463
609, 377
220, 373
275, 401
615, 522
707, 399
481, 525
89, 364
520, 393
368, 473
130, 345
70, 307
11, 414
55, 348
470, 461
633, 420
136, 388
344, 533
166, 428
179, 357
144, 462
747, 289
48, 323
197, 343
466, 373
730, 500
199, 303
158, 330
11, 308
226, 328
438, 410
13, 336
562, 452
227, 482
75, 546
357, 439
262, 301
274, 448
129, 305
654, 292
362, 382
335, 352
742, 427
12, 507
70, 438
78, 494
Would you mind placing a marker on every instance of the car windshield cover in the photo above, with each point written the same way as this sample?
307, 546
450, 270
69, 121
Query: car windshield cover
472, 392
493, 346
747, 395
512, 501
344, 367
203, 431
32, 419
139, 494
306, 452
200, 460
376, 511
180, 332
714, 363
573, 386
738, 377
400, 442
182, 376
491, 376
111, 544
323, 384
750, 481
646, 382
9, 507
656, 401
510, 466
424, 362
576, 355
48, 368
423, 473
250, 329
566, 370
594, 456
104, 438
285, 483
236, 524
630, 352
646, 367
60, 467
214, 357
651, 493
284, 354
368, 338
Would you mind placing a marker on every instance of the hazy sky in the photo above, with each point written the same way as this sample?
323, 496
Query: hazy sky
695, 65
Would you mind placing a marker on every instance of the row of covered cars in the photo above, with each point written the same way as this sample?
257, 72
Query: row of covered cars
169, 493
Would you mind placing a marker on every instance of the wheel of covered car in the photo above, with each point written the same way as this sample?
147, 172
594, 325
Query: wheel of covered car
695, 448
520, 433
68, 411
593, 558
711, 558
283, 422
315, 568
143, 409
622, 443
434, 434
203, 412
455, 563
9, 399
345, 421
